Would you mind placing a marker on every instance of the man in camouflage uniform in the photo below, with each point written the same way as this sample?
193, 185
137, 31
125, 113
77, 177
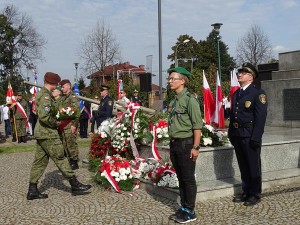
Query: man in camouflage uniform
69, 132
49, 144
19, 129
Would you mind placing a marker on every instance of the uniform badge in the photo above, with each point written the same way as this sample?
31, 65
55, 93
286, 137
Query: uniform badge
263, 98
47, 109
247, 104
109, 103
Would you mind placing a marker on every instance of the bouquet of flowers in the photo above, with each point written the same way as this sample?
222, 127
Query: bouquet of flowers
140, 167
213, 137
67, 113
115, 171
162, 131
164, 176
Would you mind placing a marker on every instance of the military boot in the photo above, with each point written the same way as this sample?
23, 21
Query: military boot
14, 139
19, 139
33, 193
24, 139
77, 187
74, 164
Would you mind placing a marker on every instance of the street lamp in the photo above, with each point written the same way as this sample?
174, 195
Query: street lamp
175, 58
217, 27
76, 67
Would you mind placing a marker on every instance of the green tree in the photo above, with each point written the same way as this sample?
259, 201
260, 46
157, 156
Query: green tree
20, 44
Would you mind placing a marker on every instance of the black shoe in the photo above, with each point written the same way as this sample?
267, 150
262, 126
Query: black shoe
14, 139
74, 164
19, 140
24, 139
33, 193
186, 216
240, 198
177, 214
252, 201
77, 187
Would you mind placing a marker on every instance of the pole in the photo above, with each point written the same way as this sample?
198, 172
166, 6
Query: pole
219, 59
175, 58
160, 50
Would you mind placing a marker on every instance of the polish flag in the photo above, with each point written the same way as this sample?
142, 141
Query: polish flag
120, 88
10, 98
218, 117
208, 100
234, 84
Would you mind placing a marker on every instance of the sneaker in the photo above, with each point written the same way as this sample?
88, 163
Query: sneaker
177, 214
186, 216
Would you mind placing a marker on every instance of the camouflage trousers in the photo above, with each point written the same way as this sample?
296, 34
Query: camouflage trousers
70, 145
20, 126
45, 149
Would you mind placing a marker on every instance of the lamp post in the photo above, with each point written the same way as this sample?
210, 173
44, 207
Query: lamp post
76, 67
217, 27
175, 58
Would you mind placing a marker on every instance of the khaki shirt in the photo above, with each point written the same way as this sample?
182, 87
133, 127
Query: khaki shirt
184, 115
46, 126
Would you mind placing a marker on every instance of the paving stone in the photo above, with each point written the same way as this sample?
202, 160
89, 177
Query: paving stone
280, 205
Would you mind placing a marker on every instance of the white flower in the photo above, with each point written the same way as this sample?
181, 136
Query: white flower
159, 136
209, 127
117, 179
207, 141
137, 120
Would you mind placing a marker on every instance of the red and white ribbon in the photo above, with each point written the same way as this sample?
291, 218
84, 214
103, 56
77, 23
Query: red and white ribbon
154, 149
111, 180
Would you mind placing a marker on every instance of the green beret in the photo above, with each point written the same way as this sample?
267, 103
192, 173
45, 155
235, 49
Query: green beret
180, 70
249, 68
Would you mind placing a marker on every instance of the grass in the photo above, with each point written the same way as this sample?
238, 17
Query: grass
31, 147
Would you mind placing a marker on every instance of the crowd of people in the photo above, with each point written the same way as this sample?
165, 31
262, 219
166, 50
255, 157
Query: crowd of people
56, 139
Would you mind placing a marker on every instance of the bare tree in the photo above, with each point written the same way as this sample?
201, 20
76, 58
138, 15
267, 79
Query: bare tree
254, 47
99, 49
20, 43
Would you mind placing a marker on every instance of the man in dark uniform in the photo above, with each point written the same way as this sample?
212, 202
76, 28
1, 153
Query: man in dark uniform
247, 121
185, 123
106, 106
136, 98
48, 143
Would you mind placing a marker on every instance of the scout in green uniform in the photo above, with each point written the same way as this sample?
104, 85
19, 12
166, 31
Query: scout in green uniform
69, 133
48, 142
185, 123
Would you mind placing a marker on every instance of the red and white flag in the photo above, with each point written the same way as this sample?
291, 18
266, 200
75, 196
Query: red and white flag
234, 84
218, 118
208, 101
10, 98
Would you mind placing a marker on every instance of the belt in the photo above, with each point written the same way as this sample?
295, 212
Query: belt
243, 125
180, 139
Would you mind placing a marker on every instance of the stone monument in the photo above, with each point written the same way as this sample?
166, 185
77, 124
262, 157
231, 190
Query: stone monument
283, 92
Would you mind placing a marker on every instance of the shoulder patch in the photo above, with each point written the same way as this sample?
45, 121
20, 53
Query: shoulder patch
263, 98
109, 103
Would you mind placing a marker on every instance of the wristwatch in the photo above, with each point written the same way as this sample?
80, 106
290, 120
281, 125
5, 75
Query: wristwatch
196, 147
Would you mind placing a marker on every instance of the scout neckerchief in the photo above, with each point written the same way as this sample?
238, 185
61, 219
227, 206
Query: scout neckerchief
172, 112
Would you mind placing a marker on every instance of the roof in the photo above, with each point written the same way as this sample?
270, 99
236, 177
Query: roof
124, 68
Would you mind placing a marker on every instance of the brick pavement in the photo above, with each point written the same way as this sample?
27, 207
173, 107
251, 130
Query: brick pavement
280, 205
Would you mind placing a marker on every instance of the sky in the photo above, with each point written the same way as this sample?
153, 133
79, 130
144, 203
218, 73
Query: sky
66, 23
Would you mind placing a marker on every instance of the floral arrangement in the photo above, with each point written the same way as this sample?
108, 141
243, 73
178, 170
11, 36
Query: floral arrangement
115, 171
162, 131
213, 137
150, 169
67, 113
113, 145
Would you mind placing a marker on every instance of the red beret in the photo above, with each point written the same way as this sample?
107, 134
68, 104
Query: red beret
52, 78
63, 82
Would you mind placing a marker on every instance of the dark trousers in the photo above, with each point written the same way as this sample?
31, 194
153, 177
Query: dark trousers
7, 127
250, 165
93, 121
180, 150
83, 127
